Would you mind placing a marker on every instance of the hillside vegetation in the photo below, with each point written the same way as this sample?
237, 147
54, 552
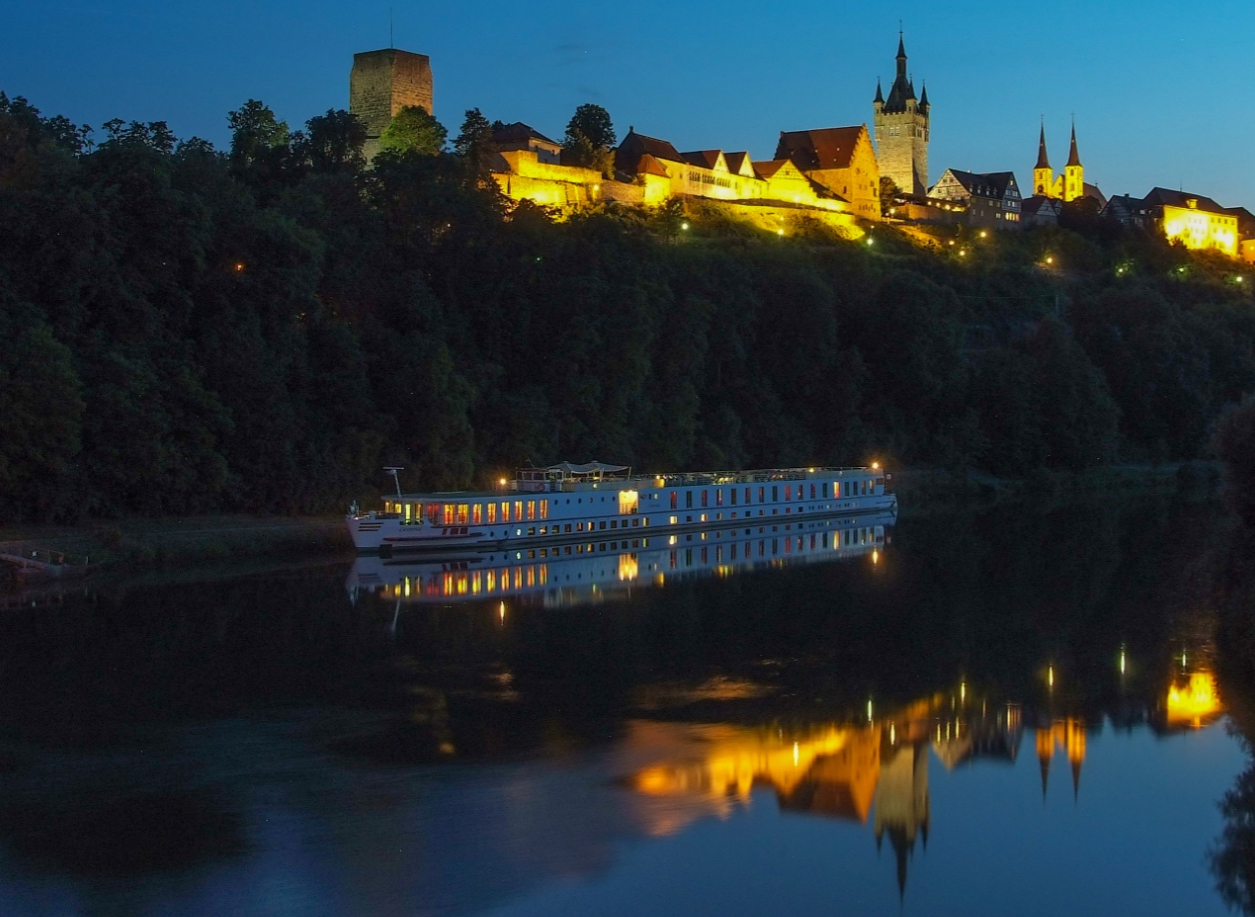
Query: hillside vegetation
188, 331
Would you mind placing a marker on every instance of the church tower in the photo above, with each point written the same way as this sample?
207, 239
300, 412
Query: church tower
1073, 173
1043, 175
901, 127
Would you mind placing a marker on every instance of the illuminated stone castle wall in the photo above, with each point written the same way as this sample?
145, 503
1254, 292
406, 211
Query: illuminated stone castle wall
521, 175
382, 83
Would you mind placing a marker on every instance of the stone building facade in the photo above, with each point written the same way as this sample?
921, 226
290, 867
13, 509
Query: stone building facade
991, 198
382, 83
900, 123
840, 159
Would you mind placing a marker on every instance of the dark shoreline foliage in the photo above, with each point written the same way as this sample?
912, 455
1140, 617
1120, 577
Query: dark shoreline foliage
187, 331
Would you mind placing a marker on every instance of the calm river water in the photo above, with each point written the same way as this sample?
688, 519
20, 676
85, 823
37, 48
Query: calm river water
984, 714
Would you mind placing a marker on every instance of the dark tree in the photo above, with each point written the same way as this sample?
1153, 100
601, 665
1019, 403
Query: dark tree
1235, 444
593, 123
474, 143
255, 133
333, 142
589, 139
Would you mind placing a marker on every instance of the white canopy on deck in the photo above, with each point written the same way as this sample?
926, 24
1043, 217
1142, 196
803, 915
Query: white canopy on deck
588, 468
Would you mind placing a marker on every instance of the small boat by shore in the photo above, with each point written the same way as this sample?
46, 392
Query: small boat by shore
571, 503
37, 565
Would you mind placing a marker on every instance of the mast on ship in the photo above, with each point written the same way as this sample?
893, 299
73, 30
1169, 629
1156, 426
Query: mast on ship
394, 470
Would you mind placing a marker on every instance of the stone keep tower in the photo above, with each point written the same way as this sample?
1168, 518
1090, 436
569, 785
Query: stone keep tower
901, 127
382, 83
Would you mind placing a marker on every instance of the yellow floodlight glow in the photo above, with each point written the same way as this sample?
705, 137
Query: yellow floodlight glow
1191, 704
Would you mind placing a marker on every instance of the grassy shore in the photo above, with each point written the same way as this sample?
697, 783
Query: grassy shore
144, 542
930, 490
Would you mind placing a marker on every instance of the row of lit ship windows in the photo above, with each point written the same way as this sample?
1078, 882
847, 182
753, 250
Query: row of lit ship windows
534, 510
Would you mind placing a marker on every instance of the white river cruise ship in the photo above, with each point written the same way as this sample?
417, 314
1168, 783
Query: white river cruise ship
568, 502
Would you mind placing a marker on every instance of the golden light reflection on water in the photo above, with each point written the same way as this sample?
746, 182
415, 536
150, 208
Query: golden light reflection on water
866, 771
1195, 702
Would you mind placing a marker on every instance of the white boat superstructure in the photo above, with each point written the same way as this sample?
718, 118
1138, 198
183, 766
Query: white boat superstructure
569, 502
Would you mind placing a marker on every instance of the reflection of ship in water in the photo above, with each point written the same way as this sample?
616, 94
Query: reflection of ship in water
875, 770
589, 571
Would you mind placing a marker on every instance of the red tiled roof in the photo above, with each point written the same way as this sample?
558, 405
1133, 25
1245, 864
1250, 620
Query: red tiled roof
627, 157
707, 159
767, 170
827, 148
737, 162
518, 132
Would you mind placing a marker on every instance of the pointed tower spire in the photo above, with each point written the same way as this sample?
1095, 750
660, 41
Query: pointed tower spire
1073, 172
1043, 162
1045, 751
1074, 158
880, 98
923, 96
901, 51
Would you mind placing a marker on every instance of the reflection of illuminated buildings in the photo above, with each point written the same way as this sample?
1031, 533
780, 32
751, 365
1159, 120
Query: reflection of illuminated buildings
830, 770
1193, 702
575, 573
877, 771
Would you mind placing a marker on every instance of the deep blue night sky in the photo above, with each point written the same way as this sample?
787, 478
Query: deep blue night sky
1158, 88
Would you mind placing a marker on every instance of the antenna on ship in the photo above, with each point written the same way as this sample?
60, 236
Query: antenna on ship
392, 470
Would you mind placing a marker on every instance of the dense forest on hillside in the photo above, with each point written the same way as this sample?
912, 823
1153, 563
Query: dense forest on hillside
184, 330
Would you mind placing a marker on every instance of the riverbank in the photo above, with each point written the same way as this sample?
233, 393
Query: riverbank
161, 542
933, 490
143, 543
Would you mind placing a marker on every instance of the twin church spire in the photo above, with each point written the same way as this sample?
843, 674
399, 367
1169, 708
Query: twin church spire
1067, 187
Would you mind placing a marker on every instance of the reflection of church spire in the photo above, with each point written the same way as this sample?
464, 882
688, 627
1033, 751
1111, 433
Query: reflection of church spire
1045, 749
902, 805
1069, 735
1076, 753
